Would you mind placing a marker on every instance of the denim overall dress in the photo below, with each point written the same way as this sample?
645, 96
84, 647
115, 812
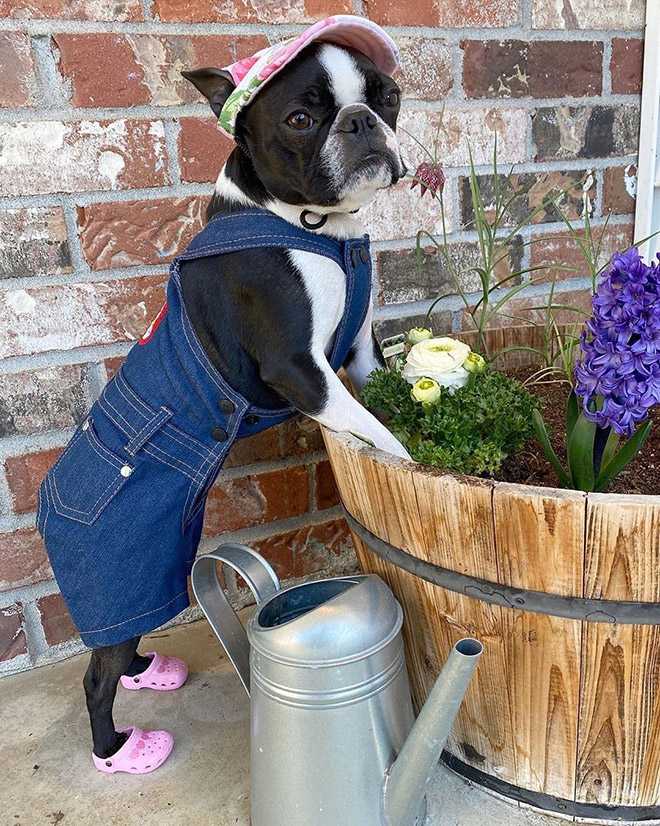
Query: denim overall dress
121, 510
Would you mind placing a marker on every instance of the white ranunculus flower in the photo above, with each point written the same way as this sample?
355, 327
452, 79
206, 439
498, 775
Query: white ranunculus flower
433, 357
474, 363
426, 390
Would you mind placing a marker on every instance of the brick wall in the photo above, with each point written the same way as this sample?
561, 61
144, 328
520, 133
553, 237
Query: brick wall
106, 161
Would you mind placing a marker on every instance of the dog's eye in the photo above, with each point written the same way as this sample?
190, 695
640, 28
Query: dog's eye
300, 121
392, 99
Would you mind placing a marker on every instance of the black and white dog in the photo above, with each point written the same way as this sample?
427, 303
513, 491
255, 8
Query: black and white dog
320, 137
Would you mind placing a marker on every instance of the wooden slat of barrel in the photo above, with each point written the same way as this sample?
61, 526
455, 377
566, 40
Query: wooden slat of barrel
458, 525
538, 535
378, 491
619, 739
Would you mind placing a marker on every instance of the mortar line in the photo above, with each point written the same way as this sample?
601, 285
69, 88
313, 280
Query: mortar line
172, 129
516, 31
47, 112
34, 631
607, 73
80, 266
47, 73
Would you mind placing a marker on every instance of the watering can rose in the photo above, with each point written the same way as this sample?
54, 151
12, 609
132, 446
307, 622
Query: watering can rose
440, 359
426, 390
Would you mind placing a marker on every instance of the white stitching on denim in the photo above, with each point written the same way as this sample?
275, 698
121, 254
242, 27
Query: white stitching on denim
91, 514
194, 474
143, 436
154, 451
132, 619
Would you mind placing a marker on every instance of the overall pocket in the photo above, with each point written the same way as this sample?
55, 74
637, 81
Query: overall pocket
86, 477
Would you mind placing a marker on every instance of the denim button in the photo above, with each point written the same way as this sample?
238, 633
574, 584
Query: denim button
363, 255
251, 419
126, 471
227, 406
219, 434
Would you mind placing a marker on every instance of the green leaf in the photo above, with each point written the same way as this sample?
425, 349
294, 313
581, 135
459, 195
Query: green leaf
610, 448
581, 454
630, 449
572, 413
542, 436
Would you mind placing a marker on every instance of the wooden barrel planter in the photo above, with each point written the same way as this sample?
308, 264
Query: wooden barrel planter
562, 587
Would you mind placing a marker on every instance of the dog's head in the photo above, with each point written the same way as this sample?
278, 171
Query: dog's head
322, 131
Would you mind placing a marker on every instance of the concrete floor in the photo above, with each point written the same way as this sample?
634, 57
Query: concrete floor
47, 778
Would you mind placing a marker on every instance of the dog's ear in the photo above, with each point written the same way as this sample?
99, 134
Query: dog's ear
214, 84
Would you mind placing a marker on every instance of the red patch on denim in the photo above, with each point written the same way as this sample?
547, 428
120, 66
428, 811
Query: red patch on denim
151, 329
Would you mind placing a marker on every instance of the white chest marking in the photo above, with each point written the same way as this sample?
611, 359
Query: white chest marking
346, 80
325, 284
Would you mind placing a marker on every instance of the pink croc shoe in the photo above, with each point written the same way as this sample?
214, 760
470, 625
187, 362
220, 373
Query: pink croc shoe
164, 674
143, 752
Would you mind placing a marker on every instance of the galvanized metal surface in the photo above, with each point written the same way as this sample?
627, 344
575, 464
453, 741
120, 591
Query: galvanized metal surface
330, 699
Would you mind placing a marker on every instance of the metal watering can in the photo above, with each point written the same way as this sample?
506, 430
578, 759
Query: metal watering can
324, 667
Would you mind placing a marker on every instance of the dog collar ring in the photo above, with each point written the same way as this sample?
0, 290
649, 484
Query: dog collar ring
304, 220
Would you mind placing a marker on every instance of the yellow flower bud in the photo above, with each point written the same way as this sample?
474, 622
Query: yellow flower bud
417, 334
426, 390
474, 363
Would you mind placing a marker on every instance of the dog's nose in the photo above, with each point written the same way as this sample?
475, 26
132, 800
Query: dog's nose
361, 122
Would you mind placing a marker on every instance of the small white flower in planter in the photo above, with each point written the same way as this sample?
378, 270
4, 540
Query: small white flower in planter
474, 363
426, 390
417, 334
440, 359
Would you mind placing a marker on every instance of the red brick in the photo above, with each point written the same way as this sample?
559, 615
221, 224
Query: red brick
12, 634
23, 559
619, 187
47, 399
24, 475
56, 620
17, 70
57, 156
112, 365
256, 499
49, 318
203, 149
238, 11
122, 70
447, 14
112, 10
327, 495
33, 241
626, 66
101, 69
587, 14
560, 248
436, 78
258, 448
307, 550
539, 69
129, 233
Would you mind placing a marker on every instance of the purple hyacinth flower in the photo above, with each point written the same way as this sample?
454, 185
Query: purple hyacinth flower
618, 374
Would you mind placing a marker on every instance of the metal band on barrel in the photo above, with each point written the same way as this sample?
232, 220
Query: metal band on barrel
550, 803
520, 599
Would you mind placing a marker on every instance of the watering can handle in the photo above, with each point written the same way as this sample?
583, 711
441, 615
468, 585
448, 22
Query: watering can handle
263, 582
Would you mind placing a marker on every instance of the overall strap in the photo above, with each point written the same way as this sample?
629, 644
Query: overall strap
255, 228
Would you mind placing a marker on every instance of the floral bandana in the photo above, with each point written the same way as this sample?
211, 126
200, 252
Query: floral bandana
251, 73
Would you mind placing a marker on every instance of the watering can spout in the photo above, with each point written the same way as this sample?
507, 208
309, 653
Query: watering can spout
405, 788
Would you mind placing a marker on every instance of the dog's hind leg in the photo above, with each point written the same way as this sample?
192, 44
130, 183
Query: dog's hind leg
101, 679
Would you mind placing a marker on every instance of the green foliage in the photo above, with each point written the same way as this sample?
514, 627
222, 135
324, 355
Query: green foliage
593, 459
471, 431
